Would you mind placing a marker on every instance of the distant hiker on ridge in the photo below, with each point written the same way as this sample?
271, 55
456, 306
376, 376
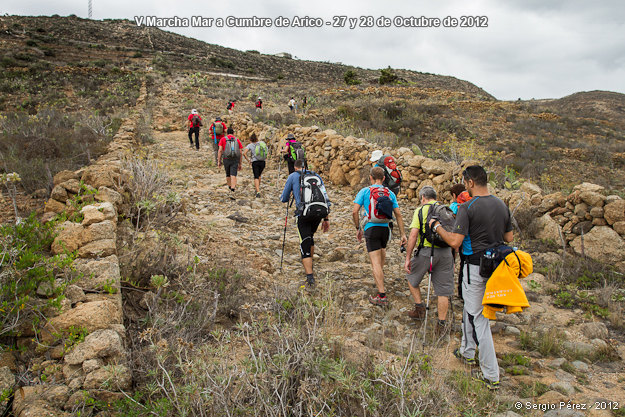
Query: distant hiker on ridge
259, 105
379, 204
312, 207
292, 104
230, 155
230, 106
195, 122
217, 131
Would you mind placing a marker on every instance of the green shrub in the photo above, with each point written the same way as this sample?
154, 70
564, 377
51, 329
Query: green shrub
387, 76
25, 266
351, 78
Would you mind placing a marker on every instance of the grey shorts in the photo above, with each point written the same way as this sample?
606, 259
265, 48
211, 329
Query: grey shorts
231, 166
442, 270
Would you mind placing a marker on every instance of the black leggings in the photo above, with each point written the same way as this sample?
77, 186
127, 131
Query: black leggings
306, 230
195, 130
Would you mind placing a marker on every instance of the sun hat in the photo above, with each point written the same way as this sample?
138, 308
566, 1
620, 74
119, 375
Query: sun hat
194, 111
376, 155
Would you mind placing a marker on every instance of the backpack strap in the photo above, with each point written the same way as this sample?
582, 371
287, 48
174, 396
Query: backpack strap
421, 231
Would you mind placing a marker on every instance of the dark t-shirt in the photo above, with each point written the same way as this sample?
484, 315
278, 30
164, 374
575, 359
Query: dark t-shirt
484, 220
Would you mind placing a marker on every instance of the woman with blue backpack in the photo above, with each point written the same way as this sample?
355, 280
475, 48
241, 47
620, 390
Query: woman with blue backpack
256, 153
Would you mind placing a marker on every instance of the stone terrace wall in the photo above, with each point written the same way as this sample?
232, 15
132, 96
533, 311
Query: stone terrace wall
588, 220
96, 367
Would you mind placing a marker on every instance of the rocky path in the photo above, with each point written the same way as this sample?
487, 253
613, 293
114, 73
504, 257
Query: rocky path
246, 235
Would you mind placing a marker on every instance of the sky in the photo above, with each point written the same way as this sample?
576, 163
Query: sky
522, 49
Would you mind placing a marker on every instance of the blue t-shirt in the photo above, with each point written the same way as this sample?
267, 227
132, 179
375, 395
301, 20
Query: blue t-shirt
362, 199
292, 186
454, 207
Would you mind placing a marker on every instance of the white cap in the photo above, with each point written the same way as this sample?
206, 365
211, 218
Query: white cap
376, 155
194, 111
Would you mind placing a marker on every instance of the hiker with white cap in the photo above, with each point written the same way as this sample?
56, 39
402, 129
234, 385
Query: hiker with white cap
195, 121
392, 175
259, 105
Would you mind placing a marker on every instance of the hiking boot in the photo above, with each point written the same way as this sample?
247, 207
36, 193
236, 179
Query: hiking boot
378, 301
464, 359
491, 385
418, 313
441, 328
257, 195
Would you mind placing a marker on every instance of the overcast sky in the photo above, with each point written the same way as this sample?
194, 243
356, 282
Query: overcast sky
530, 49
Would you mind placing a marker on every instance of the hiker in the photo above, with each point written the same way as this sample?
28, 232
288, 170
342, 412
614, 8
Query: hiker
304, 104
486, 220
195, 122
392, 175
292, 104
438, 261
312, 208
230, 106
459, 195
217, 131
256, 153
259, 105
230, 155
376, 230
293, 150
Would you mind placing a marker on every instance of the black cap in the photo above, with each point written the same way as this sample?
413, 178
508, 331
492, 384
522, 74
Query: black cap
218, 119
290, 136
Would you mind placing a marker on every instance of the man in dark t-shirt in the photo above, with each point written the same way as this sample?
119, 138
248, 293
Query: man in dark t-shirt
486, 222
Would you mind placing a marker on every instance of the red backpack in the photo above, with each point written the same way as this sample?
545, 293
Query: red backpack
392, 175
379, 199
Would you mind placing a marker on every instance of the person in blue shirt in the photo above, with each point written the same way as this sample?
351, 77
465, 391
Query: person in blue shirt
305, 227
376, 234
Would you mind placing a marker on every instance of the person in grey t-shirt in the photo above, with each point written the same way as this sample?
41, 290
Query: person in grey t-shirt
258, 165
486, 221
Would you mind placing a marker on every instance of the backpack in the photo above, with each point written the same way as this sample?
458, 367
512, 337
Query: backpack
392, 175
259, 103
229, 106
260, 151
314, 204
297, 151
219, 128
196, 121
445, 217
232, 150
380, 205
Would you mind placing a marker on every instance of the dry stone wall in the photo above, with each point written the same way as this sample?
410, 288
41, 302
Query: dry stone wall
589, 221
96, 367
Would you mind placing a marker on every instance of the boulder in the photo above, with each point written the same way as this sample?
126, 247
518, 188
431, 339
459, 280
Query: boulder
592, 198
601, 243
587, 186
619, 227
530, 189
69, 237
75, 294
7, 379
337, 176
547, 228
596, 212
436, 167
109, 195
97, 213
97, 273
98, 249
612, 198
594, 330
101, 176
59, 193
99, 344
582, 227
64, 176
99, 231
55, 206
92, 316
112, 377
614, 212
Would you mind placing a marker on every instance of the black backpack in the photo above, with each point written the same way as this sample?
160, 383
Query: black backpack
445, 217
314, 204
297, 151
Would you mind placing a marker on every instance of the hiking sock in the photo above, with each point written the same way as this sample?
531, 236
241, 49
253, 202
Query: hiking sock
442, 323
382, 294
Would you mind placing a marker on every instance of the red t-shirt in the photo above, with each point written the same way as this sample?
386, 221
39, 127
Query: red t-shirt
191, 117
222, 142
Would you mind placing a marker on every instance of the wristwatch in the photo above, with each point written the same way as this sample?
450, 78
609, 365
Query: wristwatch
436, 226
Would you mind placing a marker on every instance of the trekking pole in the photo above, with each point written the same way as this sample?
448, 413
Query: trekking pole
286, 219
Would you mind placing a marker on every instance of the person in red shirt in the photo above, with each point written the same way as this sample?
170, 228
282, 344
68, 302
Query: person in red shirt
195, 121
259, 105
217, 132
230, 155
